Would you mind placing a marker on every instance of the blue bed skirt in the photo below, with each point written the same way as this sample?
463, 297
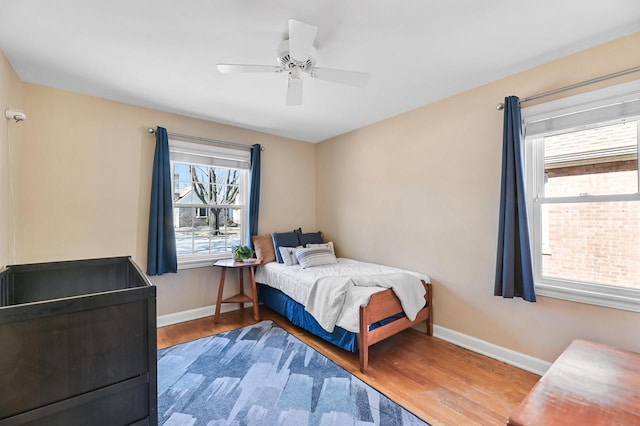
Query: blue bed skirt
295, 312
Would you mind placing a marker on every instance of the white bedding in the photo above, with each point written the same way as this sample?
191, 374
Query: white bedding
297, 283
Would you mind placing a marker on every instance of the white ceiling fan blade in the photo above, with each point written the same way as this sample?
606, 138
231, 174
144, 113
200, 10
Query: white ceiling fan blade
294, 92
232, 68
301, 37
351, 78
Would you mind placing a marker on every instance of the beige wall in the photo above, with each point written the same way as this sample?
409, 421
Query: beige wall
10, 140
421, 191
85, 177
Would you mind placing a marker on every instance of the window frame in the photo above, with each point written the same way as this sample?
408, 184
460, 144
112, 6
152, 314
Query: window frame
209, 155
578, 291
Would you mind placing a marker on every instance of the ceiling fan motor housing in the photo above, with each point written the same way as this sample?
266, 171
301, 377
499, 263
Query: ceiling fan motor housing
288, 62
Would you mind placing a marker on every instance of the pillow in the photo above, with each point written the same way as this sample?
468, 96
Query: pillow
288, 255
328, 245
263, 245
310, 238
315, 256
284, 239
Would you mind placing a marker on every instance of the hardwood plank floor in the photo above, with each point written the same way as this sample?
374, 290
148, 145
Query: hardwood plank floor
441, 383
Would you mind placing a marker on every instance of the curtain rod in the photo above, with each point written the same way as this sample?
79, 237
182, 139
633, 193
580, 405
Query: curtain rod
197, 138
500, 106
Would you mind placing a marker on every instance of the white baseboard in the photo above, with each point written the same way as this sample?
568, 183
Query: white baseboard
517, 359
193, 314
500, 353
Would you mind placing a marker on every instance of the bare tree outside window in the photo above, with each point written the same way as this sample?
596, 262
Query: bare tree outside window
207, 210
220, 188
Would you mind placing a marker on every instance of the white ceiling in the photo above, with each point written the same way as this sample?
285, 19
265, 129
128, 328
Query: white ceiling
162, 54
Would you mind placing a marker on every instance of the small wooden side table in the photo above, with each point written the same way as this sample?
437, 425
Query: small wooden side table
240, 298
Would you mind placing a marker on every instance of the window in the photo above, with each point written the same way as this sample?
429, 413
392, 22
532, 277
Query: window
209, 205
581, 162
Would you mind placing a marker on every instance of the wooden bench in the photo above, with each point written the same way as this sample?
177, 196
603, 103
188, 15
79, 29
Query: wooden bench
589, 384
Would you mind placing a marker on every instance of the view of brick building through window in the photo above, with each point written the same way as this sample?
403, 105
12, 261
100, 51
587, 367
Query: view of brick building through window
596, 242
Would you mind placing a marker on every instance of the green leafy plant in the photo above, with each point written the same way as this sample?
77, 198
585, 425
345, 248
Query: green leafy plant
243, 252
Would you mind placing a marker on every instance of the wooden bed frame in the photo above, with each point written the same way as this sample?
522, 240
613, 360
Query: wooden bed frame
383, 305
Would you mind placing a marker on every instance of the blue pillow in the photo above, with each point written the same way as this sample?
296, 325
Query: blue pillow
310, 238
284, 239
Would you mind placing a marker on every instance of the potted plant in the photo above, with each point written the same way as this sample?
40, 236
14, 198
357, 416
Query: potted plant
242, 253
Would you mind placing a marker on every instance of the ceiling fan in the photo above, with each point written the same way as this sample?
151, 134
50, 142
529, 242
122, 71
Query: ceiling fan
296, 57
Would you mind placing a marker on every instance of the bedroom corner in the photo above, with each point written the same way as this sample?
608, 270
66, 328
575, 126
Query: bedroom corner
424, 191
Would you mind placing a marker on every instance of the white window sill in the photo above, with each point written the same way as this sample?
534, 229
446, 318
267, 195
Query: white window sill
627, 299
200, 263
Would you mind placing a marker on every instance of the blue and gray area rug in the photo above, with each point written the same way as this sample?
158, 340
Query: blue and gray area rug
262, 375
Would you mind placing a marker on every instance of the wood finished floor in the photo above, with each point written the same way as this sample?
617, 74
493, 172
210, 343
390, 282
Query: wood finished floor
441, 383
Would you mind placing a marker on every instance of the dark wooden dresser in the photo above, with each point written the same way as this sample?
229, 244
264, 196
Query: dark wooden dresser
77, 344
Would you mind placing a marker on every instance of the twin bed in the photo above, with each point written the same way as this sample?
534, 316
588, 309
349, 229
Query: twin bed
348, 303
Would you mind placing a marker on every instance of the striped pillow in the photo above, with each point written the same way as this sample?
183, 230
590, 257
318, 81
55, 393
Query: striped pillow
288, 255
328, 245
315, 256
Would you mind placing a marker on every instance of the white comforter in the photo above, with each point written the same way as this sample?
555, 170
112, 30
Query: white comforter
298, 284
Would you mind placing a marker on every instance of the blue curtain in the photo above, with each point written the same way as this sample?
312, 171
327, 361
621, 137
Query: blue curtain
161, 253
514, 269
254, 193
